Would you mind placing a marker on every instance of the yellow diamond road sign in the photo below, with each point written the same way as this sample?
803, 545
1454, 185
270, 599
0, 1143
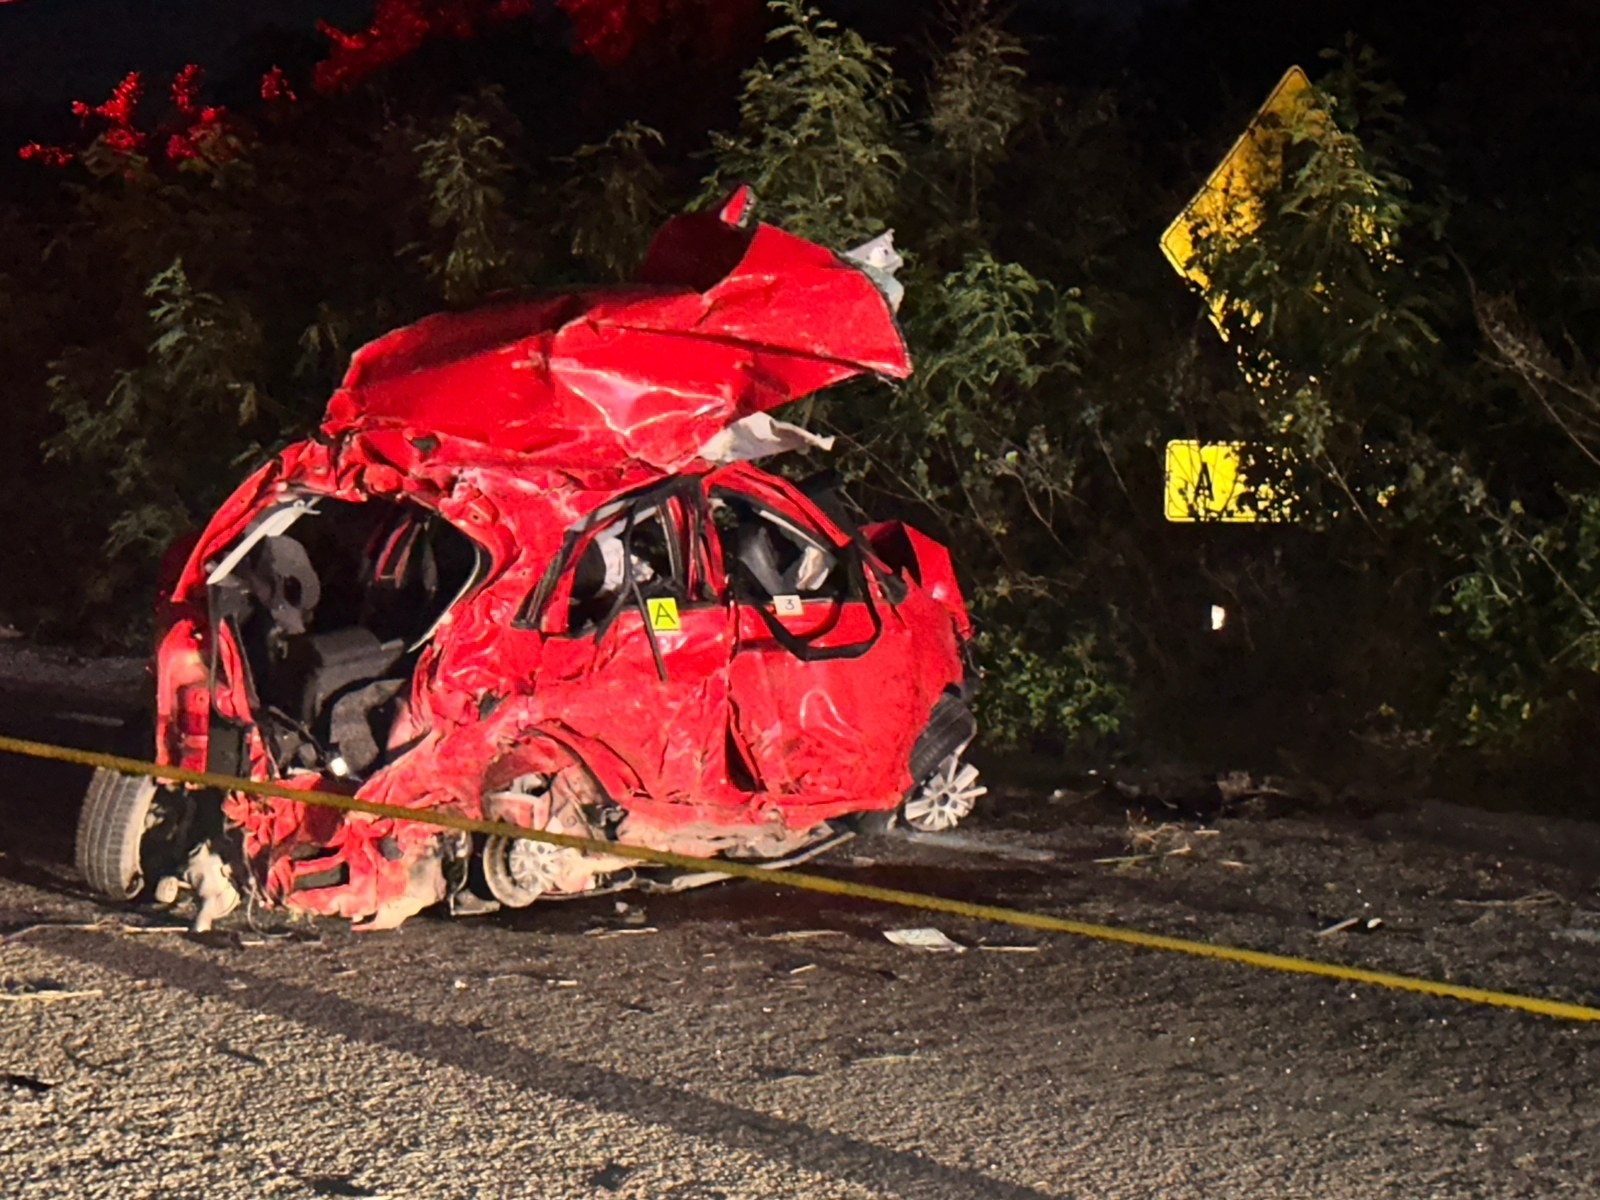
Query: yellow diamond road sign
1231, 203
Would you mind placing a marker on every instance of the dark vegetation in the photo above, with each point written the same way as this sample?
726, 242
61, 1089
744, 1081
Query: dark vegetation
181, 291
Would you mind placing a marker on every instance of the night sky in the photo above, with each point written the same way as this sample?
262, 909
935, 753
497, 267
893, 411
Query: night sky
52, 50
1511, 74
55, 51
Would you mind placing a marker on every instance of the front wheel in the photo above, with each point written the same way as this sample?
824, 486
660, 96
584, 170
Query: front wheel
946, 796
128, 828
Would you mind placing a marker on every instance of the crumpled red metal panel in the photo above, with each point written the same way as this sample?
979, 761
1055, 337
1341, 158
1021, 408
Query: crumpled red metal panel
931, 567
592, 380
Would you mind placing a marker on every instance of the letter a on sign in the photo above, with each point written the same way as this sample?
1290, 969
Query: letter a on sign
664, 615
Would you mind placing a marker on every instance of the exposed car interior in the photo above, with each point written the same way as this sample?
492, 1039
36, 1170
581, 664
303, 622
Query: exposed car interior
330, 609
767, 556
637, 554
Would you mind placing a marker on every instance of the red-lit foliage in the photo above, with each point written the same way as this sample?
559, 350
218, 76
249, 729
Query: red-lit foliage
50, 156
191, 130
399, 28
611, 30
608, 30
200, 124
275, 87
120, 134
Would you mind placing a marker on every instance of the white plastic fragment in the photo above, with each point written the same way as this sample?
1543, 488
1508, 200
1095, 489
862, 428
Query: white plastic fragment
925, 937
760, 436
1360, 924
212, 882
880, 260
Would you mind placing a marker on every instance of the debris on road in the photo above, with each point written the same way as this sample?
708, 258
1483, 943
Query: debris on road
925, 937
1149, 841
1128, 860
1359, 924
890, 1056
1589, 936
981, 845
89, 927
1166, 839
46, 995
800, 935
1539, 899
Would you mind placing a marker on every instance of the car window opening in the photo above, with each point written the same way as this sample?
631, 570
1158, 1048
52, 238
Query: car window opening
768, 557
330, 617
639, 550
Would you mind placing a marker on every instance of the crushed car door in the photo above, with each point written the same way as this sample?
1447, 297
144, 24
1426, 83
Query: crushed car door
637, 643
818, 703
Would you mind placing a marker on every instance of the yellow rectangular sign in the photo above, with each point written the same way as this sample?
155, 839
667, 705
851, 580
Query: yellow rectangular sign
1207, 481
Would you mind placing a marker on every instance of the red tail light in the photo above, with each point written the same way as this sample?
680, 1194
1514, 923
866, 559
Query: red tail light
184, 707
192, 727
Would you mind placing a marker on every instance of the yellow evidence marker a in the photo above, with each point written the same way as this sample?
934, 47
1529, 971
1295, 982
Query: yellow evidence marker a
664, 615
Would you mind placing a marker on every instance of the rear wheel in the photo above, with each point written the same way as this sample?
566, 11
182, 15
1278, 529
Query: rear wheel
517, 871
131, 829
110, 830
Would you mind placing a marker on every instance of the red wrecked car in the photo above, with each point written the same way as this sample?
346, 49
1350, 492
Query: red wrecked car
526, 571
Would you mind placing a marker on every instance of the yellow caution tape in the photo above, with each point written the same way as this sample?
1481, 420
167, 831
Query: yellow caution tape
821, 883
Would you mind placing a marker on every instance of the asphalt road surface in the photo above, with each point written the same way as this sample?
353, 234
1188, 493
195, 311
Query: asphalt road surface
748, 1042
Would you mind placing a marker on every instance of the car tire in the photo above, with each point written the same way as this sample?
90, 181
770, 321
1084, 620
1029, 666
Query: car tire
877, 822
950, 729
117, 810
944, 799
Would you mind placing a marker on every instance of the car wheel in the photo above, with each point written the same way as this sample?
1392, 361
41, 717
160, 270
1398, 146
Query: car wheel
517, 871
944, 798
130, 829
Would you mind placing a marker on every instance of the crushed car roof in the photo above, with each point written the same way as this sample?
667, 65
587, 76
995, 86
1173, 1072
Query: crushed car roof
730, 318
